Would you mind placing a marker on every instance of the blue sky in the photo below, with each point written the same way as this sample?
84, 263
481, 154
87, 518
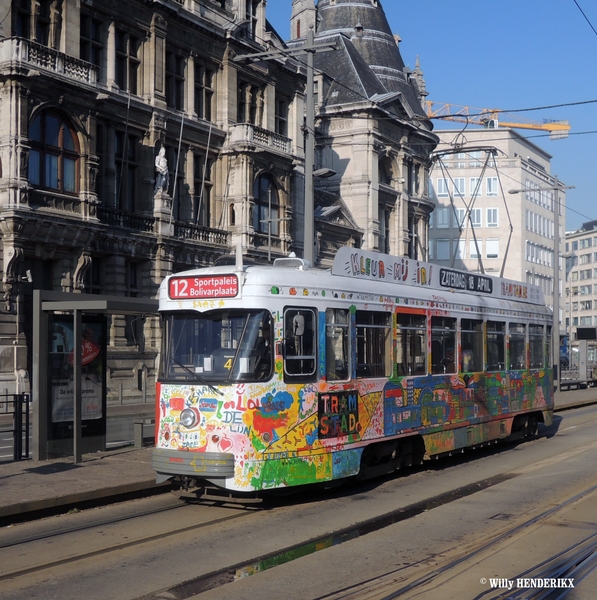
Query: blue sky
511, 54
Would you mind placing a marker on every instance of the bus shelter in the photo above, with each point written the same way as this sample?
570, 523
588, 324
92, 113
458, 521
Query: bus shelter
69, 334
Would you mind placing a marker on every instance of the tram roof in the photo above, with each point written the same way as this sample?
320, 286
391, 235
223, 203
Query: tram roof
354, 270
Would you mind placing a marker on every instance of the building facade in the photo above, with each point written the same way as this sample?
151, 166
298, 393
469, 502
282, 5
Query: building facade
495, 207
581, 282
132, 145
370, 129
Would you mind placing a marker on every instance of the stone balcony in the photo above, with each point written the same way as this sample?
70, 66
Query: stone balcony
148, 224
206, 235
126, 220
19, 52
247, 134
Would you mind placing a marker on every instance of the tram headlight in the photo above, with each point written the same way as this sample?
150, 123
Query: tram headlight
189, 418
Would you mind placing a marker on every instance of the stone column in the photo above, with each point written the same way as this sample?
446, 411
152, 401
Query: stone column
190, 85
111, 56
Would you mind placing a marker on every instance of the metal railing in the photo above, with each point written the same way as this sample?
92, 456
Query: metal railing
17, 407
126, 220
190, 231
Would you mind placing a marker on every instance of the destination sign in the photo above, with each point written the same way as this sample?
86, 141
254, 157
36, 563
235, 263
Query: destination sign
200, 288
471, 282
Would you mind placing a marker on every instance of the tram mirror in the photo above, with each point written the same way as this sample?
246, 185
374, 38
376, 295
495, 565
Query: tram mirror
280, 348
298, 325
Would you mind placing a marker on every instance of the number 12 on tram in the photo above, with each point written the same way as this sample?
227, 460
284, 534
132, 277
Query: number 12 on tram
277, 376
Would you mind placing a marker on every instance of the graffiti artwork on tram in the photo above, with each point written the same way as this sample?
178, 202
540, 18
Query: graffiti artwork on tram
423, 403
338, 414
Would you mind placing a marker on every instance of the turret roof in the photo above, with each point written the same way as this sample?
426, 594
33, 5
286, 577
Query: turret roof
367, 63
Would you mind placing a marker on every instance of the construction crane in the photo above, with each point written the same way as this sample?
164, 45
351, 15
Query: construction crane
490, 118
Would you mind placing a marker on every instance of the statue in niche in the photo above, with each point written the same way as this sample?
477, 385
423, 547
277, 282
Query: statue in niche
162, 177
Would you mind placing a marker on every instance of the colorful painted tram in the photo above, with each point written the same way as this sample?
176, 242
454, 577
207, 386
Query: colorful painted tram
276, 376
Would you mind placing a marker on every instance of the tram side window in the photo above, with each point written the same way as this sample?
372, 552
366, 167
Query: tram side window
373, 344
517, 356
537, 346
300, 327
471, 337
496, 337
443, 344
411, 343
337, 347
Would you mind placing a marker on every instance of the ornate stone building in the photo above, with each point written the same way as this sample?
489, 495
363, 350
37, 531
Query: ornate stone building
370, 129
90, 92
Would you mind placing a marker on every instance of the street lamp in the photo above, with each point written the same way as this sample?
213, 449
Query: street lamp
555, 329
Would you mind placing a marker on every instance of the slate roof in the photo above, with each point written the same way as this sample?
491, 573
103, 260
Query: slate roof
331, 208
377, 45
367, 64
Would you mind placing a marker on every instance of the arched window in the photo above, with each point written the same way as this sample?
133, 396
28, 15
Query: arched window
266, 212
54, 155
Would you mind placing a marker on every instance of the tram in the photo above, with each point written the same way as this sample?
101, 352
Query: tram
284, 375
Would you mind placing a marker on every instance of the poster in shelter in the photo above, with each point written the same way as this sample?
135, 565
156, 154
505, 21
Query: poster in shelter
61, 369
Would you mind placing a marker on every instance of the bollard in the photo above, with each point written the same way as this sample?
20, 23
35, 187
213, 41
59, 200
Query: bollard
138, 434
18, 427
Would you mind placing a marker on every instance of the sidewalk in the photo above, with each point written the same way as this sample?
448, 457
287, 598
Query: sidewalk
27, 486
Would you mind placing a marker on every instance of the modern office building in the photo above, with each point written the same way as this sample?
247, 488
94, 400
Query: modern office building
581, 283
479, 224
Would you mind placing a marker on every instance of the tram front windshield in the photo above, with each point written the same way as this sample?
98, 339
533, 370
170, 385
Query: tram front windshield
217, 346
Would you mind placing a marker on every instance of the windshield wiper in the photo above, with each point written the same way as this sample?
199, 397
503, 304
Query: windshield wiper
197, 377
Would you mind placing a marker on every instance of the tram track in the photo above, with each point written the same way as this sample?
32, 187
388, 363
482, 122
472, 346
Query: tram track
402, 582
79, 528
571, 565
289, 553
574, 562
62, 534
227, 574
